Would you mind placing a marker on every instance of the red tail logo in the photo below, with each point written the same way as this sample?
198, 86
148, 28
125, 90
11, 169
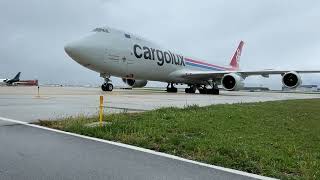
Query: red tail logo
236, 57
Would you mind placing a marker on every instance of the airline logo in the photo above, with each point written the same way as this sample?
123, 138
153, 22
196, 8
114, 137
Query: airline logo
236, 57
159, 55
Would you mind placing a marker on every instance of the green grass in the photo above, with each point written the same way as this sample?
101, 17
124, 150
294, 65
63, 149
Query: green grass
278, 139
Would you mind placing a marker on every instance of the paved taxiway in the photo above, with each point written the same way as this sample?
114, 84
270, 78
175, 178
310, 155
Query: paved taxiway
34, 153
57, 102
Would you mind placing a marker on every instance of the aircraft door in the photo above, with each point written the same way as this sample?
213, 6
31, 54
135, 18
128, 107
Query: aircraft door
130, 65
115, 62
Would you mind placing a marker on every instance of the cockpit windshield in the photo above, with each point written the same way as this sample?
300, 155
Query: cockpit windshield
101, 30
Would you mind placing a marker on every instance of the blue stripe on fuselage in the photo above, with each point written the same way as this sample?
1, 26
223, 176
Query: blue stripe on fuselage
203, 66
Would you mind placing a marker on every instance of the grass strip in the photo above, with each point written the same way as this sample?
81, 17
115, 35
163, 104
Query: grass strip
279, 139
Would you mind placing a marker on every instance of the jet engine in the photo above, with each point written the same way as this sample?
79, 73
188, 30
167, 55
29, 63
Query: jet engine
232, 82
291, 80
135, 83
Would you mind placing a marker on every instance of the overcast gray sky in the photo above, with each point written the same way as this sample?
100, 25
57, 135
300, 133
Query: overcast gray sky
278, 34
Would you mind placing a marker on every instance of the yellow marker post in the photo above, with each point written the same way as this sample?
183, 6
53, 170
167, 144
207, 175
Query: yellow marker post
101, 111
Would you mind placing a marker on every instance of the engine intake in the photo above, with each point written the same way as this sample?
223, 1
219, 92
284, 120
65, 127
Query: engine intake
135, 83
291, 80
232, 82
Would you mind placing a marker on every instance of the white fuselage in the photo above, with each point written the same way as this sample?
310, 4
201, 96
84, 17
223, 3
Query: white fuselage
116, 53
3, 81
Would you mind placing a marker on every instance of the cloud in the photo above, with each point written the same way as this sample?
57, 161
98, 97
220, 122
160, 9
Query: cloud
278, 34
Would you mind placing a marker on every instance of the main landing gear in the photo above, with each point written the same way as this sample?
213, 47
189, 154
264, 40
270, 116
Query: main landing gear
191, 90
106, 86
171, 88
202, 89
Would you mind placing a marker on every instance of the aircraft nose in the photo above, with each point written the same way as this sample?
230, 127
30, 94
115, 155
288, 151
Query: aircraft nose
73, 49
82, 51
68, 48
86, 51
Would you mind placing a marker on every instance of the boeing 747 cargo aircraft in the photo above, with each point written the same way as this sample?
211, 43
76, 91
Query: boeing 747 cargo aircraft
112, 52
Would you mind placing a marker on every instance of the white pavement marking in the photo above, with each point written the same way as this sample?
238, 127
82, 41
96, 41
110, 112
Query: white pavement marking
141, 150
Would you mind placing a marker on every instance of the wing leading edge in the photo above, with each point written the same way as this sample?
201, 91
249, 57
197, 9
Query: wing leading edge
205, 75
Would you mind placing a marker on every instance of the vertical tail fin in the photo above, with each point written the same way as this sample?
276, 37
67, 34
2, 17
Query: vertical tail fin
236, 57
17, 77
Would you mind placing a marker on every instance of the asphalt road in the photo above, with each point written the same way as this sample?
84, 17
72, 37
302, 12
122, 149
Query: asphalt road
33, 153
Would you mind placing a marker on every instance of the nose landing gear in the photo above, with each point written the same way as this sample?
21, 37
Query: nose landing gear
106, 86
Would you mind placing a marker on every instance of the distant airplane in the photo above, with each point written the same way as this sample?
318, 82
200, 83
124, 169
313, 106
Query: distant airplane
10, 82
112, 52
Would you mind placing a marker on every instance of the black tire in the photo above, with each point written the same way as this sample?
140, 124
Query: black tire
190, 90
203, 91
209, 91
109, 87
104, 87
172, 90
216, 91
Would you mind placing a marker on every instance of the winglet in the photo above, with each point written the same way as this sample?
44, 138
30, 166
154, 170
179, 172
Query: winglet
236, 57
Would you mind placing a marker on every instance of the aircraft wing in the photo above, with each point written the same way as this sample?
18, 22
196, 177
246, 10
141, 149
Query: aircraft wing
190, 74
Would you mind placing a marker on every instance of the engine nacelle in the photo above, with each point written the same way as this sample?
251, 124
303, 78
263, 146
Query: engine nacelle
232, 82
291, 80
135, 83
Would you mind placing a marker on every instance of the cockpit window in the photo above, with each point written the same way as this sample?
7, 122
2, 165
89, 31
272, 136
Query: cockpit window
127, 35
101, 30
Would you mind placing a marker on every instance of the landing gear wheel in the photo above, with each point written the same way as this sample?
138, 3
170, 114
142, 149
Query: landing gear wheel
190, 90
104, 87
203, 91
216, 91
172, 89
107, 87
209, 91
